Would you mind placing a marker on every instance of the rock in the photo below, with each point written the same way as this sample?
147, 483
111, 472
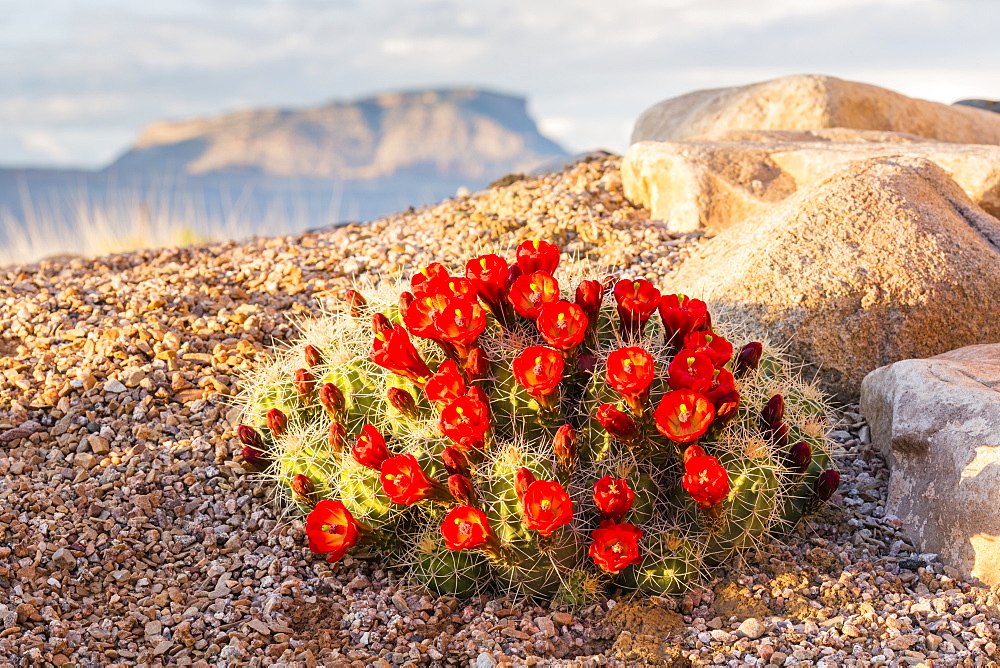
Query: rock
937, 423
887, 260
752, 628
546, 626
64, 559
84, 460
114, 386
808, 101
988, 105
484, 660
902, 642
692, 185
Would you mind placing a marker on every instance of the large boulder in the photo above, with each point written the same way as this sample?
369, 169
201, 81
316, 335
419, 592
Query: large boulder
807, 101
937, 423
716, 183
887, 260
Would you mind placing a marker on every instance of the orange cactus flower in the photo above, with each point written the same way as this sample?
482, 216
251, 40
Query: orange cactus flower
681, 315
466, 420
691, 371
466, 528
706, 480
332, 530
636, 299
630, 371
537, 255
405, 483
538, 370
615, 546
613, 497
711, 345
530, 292
393, 350
369, 448
546, 507
562, 324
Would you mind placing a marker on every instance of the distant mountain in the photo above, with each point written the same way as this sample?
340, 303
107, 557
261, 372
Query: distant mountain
277, 171
467, 134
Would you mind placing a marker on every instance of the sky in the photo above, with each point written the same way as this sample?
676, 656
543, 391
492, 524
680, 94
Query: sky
79, 79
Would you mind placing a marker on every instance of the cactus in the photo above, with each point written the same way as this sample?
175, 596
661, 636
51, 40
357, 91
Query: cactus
519, 430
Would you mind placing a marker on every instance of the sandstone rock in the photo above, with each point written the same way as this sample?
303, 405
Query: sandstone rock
807, 101
888, 260
713, 184
937, 422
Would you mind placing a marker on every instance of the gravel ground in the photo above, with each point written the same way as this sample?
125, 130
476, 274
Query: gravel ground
130, 536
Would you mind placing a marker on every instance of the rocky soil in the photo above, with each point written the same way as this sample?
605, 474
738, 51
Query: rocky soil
130, 535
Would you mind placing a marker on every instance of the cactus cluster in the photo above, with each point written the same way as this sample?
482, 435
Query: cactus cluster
495, 430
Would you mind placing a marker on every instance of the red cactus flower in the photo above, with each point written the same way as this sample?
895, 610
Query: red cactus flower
477, 364
455, 461
313, 356
530, 292
546, 507
748, 358
393, 350
613, 497
332, 529
706, 480
428, 280
461, 322
691, 371
537, 255
421, 316
590, 296
466, 420
277, 422
630, 371
565, 445
684, 415
617, 423
826, 484
713, 346
637, 299
615, 546
538, 370
722, 384
405, 483
562, 324
522, 481
369, 448
488, 275
355, 302
466, 528
461, 489
446, 385
337, 437
332, 399
681, 315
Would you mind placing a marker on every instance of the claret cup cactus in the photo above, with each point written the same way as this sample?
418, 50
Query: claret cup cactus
516, 428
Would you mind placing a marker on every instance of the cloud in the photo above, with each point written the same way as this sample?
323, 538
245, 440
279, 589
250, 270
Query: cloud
108, 67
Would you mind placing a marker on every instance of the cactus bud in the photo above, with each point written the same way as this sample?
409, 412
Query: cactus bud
405, 299
337, 437
332, 399
313, 356
461, 489
826, 484
799, 456
455, 461
477, 364
380, 323
693, 450
586, 363
513, 274
277, 422
303, 489
305, 386
249, 436
402, 401
773, 410
778, 433
522, 480
356, 302
255, 458
617, 423
590, 296
726, 407
748, 358
565, 446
